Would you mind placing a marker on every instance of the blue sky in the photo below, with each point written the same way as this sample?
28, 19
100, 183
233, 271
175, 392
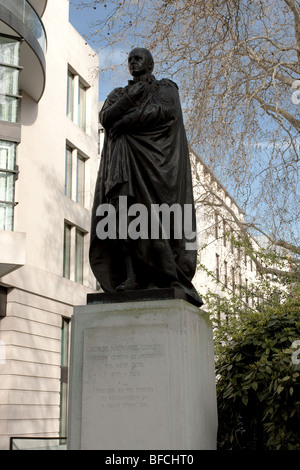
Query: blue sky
82, 20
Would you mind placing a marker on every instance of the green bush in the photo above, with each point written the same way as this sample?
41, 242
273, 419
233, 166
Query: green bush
258, 384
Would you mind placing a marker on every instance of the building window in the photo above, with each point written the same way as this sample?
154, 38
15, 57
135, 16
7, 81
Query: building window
240, 284
217, 267
81, 106
76, 99
70, 95
9, 79
8, 173
67, 251
73, 253
68, 172
75, 175
224, 233
79, 256
216, 225
64, 368
233, 279
239, 248
247, 291
80, 180
225, 274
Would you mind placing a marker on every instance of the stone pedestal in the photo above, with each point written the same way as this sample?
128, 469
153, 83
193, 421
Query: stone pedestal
142, 377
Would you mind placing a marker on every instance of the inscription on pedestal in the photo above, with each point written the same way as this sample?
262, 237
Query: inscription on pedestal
125, 381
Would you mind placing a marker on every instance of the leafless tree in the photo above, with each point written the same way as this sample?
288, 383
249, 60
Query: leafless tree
237, 63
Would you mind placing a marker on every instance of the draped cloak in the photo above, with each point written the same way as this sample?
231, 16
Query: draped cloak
148, 162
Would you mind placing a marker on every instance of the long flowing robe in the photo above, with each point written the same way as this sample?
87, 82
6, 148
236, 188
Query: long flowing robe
148, 162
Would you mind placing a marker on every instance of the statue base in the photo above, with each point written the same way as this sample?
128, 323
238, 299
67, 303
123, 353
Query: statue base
169, 293
141, 376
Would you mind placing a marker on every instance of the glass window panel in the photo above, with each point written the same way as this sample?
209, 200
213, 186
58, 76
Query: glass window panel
24, 11
8, 108
9, 51
82, 106
7, 186
80, 180
65, 341
6, 216
9, 80
70, 95
68, 172
33, 22
79, 249
64, 376
15, 6
7, 155
67, 251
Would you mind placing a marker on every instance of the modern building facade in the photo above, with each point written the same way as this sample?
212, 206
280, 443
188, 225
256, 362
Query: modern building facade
224, 267
48, 166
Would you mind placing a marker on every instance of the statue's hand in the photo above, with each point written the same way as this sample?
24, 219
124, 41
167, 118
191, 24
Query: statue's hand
135, 92
123, 125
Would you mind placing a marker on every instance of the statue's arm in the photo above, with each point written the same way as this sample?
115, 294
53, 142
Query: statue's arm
119, 103
162, 108
114, 108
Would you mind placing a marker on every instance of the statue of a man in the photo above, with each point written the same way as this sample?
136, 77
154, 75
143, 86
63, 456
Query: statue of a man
144, 172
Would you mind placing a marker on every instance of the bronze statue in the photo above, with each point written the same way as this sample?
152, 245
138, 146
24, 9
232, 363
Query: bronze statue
144, 167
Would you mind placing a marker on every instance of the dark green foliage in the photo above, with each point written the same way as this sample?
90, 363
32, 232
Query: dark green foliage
258, 384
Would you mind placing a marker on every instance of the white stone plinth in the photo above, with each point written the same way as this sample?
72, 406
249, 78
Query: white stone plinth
142, 377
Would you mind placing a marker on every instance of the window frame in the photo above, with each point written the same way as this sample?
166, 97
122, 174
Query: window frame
9, 99
75, 187
74, 250
64, 376
79, 256
70, 95
67, 251
217, 267
80, 179
76, 102
7, 172
68, 171
81, 103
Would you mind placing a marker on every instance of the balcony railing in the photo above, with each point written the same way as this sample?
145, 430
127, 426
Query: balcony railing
26, 13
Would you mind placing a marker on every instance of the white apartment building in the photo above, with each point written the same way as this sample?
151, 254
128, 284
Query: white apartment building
48, 166
224, 266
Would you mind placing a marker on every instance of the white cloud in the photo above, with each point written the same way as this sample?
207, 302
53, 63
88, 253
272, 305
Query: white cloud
112, 56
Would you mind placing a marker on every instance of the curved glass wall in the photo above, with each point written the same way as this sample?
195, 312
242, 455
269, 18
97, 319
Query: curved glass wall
25, 12
8, 173
9, 78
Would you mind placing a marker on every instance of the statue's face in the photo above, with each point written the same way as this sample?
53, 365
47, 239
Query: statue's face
138, 63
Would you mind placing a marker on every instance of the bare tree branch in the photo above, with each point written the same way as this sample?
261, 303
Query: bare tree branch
235, 63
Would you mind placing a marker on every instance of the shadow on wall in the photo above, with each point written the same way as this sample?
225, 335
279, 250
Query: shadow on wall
28, 110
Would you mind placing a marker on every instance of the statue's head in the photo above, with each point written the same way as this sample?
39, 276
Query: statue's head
140, 62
